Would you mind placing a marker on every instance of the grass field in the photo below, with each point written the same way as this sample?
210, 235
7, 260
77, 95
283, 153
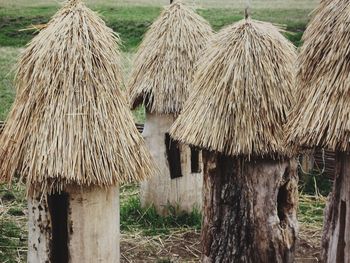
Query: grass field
8, 56
132, 21
256, 4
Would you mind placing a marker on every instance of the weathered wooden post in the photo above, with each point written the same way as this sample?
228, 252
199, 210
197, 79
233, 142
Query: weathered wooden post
321, 115
241, 95
160, 79
71, 137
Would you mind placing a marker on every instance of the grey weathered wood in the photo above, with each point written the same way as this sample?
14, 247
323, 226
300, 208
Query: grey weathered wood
92, 227
249, 210
336, 233
39, 230
184, 193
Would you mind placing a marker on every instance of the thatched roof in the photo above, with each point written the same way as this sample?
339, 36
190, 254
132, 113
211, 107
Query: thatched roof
70, 123
164, 63
242, 92
321, 116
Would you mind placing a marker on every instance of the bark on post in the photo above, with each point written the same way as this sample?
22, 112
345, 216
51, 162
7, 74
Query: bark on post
249, 210
336, 233
308, 160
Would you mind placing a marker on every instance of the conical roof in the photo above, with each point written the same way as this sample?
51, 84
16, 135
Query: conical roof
242, 92
321, 116
70, 123
164, 63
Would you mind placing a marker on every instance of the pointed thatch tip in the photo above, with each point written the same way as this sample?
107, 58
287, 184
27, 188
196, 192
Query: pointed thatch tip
73, 2
321, 116
164, 64
70, 124
242, 93
69, 4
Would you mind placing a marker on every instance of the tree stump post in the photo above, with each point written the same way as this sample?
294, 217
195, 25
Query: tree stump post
250, 210
336, 232
307, 162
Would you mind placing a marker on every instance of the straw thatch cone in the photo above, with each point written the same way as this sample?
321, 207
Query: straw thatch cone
160, 79
163, 66
71, 137
241, 95
321, 116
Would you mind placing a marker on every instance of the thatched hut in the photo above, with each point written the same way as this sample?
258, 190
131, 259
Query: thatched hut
241, 95
321, 116
71, 138
160, 80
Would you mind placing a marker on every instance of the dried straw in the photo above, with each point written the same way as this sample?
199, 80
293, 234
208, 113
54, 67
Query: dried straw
70, 123
321, 116
164, 63
242, 92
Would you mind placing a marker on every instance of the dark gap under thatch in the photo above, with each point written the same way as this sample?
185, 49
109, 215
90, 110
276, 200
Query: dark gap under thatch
195, 167
173, 156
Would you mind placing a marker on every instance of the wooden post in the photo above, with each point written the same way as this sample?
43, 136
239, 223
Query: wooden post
39, 230
94, 225
80, 225
307, 162
249, 210
185, 192
336, 233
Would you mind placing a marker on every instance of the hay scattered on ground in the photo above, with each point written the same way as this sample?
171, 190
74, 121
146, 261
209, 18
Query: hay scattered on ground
243, 89
181, 244
321, 116
70, 123
164, 64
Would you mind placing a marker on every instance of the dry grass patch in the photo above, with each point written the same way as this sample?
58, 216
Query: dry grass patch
138, 244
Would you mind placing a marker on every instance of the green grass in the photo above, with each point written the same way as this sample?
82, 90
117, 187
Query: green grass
139, 114
13, 231
135, 218
131, 22
7, 60
315, 183
311, 210
256, 4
